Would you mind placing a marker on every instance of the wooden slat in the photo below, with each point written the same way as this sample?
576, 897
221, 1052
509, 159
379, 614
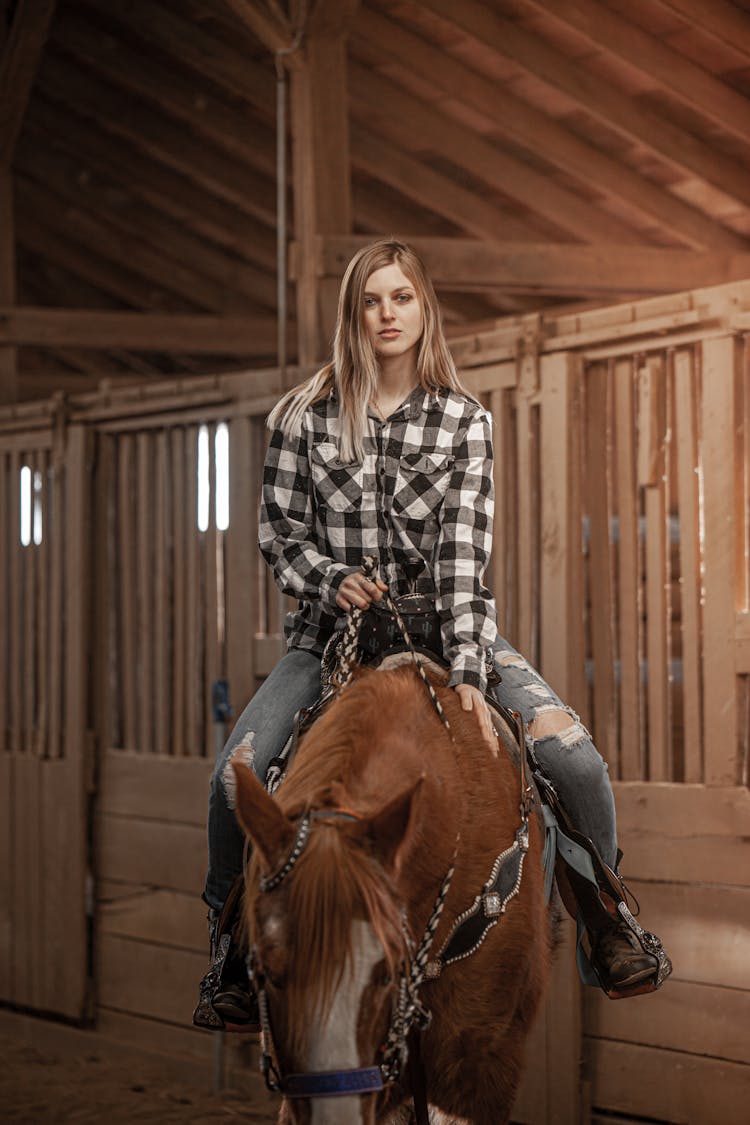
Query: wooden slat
652, 424
717, 423
144, 591
526, 527
30, 567
210, 547
179, 517
720, 18
158, 787
628, 607
686, 447
164, 611
242, 562
5, 594
194, 619
171, 856
27, 924
7, 876
127, 608
602, 610
56, 531
106, 639
178, 919
672, 1086
16, 603
148, 980
41, 464
500, 538
720, 1031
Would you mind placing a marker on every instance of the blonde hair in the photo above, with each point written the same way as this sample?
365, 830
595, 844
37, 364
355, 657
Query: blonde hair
353, 371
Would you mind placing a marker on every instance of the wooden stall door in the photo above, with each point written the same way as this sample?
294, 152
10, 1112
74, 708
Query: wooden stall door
43, 697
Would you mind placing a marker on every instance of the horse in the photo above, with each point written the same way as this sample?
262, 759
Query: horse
373, 932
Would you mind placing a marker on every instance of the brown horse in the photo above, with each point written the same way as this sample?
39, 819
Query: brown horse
351, 863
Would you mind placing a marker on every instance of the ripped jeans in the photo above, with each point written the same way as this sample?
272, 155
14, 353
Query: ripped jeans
569, 758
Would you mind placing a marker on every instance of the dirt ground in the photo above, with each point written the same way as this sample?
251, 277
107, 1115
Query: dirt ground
42, 1085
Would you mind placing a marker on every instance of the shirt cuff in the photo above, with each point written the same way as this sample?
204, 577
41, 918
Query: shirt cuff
470, 670
329, 587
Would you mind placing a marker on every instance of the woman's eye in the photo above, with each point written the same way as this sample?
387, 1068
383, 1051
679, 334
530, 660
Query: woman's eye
369, 302
404, 297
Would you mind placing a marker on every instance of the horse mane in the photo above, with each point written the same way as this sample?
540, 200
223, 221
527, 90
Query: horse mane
337, 878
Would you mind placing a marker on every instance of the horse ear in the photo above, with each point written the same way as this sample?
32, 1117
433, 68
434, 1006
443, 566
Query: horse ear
269, 829
392, 829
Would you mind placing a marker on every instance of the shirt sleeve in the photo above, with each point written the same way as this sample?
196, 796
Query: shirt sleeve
466, 606
286, 534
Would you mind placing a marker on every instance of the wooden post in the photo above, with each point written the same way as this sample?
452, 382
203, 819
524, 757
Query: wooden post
321, 170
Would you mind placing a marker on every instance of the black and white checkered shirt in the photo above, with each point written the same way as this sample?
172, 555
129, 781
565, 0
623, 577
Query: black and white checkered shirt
423, 488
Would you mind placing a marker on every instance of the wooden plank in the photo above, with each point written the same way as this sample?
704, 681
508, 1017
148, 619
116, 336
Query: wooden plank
144, 591
195, 686
158, 787
127, 607
30, 566
41, 465
148, 980
132, 850
720, 19
105, 589
56, 531
150, 914
273, 30
7, 877
686, 451
651, 470
5, 594
8, 355
18, 67
721, 1030
672, 1086
717, 422
563, 1037
703, 927
500, 538
602, 609
16, 604
28, 935
242, 562
179, 638
527, 486
628, 585
164, 609
213, 610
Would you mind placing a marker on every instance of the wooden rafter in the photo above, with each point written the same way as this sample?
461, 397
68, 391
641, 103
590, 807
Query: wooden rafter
153, 133
18, 68
722, 19
375, 100
565, 270
151, 332
597, 96
668, 67
515, 118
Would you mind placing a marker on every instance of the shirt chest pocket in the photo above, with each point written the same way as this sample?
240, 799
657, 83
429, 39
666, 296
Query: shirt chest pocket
421, 483
338, 486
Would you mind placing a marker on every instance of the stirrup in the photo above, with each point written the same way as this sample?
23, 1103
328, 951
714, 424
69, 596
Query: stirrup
222, 930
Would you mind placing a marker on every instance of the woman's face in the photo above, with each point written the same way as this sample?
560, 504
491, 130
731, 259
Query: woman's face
393, 314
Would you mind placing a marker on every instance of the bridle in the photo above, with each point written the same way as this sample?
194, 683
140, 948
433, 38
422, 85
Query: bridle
469, 930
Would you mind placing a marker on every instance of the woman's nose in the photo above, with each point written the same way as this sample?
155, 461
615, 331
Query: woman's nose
386, 310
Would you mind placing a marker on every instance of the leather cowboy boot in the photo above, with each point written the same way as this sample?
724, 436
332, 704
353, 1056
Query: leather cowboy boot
226, 1002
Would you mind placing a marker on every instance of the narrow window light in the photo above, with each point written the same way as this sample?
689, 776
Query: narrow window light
203, 479
222, 476
37, 507
25, 505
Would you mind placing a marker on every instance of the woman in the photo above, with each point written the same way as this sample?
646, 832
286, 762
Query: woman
383, 453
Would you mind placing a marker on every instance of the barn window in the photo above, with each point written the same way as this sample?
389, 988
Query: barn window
31, 506
220, 455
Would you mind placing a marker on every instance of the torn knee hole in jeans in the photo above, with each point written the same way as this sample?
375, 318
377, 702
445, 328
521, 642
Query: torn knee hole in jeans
566, 729
506, 659
243, 752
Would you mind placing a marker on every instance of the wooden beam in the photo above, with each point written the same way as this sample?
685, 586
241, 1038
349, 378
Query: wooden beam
268, 26
152, 332
321, 177
722, 19
528, 126
563, 269
600, 98
18, 68
379, 105
667, 67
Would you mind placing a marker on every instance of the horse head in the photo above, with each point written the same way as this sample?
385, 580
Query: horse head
328, 940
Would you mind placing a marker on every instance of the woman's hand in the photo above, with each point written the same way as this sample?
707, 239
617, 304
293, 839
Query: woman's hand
473, 700
358, 590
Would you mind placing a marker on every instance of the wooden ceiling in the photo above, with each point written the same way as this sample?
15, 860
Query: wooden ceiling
538, 151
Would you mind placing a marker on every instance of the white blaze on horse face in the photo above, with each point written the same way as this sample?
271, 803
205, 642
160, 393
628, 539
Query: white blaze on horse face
335, 1045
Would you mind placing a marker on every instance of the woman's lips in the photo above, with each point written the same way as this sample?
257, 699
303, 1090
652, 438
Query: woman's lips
390, 333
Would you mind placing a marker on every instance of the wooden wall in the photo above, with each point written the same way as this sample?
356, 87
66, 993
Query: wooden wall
620, 566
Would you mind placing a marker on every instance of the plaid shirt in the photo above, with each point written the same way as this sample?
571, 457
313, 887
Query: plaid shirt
424, 488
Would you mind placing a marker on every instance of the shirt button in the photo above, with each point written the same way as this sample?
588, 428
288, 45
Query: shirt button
381, 472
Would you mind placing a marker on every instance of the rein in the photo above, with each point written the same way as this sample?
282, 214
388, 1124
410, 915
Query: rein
466, 935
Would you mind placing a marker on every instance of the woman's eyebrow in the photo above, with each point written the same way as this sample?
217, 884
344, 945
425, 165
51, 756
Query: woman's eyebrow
400, 289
